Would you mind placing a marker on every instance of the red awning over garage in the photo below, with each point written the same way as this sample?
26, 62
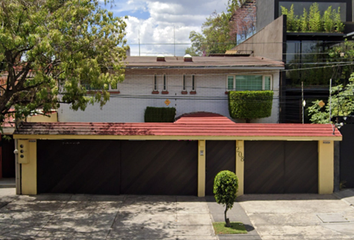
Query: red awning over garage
191, 126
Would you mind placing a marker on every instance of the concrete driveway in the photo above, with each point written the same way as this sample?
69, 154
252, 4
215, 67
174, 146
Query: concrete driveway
301, 216
62, 216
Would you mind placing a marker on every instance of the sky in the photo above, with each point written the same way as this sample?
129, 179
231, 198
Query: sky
163, 26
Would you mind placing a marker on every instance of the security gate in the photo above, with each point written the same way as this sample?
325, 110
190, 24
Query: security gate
281, 167
117, 167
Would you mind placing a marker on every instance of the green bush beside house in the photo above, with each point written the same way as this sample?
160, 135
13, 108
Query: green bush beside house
250, 104
159, 114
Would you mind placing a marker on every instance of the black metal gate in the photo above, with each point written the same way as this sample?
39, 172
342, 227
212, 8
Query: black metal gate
281, 167
159, 167
8, 157
117, 167
347, 156
78, 166
220, 155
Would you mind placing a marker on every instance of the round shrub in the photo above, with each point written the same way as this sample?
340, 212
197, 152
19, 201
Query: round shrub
225, 188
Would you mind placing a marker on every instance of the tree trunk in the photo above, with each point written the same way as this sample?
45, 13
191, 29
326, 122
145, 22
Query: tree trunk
227, 221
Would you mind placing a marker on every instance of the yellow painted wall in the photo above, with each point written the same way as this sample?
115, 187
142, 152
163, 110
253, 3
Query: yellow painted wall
325, 167
201, 168
53, 117
29, 170
240, 166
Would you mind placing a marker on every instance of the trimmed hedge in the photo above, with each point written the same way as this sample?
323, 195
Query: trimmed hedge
250, 104
159, 114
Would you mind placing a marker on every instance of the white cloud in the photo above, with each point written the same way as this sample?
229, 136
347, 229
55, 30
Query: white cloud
168, 22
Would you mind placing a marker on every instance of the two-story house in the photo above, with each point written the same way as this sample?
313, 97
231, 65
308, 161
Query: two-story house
189, 84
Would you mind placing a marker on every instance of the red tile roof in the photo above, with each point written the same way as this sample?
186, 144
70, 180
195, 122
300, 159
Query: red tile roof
190, 125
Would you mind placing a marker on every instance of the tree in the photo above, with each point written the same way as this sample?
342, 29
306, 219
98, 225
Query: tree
216, 33
341, 104
48, 48
225, 189
343, 53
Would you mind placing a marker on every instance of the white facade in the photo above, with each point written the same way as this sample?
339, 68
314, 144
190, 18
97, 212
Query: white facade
136, 93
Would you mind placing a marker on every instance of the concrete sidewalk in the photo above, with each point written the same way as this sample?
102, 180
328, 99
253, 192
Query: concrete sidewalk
277, 216
301, 216
67, 216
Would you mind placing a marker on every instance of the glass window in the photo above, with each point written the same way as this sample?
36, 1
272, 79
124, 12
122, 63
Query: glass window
193, 83
164, 83
230, 83
184, 83
249, 82
114, 86
267, 83
91, 86
155, 83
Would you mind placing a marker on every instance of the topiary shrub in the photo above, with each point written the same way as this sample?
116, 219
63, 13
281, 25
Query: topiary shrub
159, 114
250, 104
225, 188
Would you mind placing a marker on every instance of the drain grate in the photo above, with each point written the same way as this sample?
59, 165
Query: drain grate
331, 218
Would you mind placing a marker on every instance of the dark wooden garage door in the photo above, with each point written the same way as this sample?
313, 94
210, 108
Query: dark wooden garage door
117, 167
78, 166
281, 167
159, 167
220, 155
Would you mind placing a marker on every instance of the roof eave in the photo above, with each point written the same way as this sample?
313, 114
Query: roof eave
178, 137
210, 67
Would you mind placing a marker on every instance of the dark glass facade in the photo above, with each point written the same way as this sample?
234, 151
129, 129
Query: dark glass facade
311, 58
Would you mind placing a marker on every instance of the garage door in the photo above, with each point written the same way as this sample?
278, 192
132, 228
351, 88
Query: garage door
117, 167
7, 147
281, 167
78, 166
159, 167
220, 155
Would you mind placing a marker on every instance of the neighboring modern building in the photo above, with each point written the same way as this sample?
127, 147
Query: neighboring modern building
189, 84
305, 54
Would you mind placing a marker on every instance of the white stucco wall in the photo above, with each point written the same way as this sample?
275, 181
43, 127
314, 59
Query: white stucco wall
136, 94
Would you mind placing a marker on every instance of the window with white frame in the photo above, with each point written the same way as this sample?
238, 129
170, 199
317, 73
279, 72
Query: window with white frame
193, 83
249, 82
184, 83
89, 87
154, 83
